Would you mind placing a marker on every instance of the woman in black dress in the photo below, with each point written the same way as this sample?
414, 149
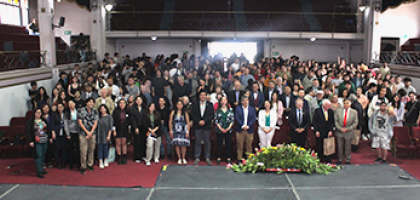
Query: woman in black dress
59, 136
122, 117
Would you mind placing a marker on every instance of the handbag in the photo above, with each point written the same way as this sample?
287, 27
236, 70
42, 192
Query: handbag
329, 146
111, 154
356, 138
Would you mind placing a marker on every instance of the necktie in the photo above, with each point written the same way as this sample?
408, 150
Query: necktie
345, 118
326, 115
300, 117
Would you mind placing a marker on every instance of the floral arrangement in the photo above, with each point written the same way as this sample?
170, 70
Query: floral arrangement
282, 158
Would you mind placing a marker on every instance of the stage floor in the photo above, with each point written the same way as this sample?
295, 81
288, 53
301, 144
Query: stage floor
215, 182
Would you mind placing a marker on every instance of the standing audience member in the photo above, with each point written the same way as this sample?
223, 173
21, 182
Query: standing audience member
88, 121
179, 131
267, 119
32, 94
139, 136
299, 121
224, 119
71, 126
105, 99
346, 122
323, 122
105, 124
38, 133
164, 112
398, 107
380, 125
41, 98
412, 111
245, 116
152, 122
202, 114
122, 119
236, 95
59, 136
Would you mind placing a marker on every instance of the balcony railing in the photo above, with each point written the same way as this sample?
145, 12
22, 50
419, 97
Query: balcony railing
73, 56
406, 58
235, 21
11, 60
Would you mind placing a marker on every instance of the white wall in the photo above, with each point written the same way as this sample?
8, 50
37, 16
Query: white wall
136, 47
15, 100
400, 22
78, 19
320, 50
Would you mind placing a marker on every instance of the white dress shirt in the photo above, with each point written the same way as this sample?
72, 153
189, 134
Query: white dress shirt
245, 116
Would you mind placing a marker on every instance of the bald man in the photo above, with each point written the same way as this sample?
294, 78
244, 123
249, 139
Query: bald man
105, 99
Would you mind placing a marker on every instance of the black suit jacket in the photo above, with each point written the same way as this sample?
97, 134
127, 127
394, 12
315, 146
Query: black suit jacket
119, 125
266, 93
320, 124
283, 100
232, 98
157, 123
359, 108
207, 117
294, 123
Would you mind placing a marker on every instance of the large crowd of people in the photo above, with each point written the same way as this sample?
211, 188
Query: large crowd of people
143, 102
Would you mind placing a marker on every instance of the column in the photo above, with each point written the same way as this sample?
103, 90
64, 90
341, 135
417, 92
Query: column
372, 36
98, 37
46, 32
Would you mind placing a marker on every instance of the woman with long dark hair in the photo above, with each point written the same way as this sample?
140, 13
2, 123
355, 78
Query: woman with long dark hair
398, 109
59, 136
73, 86
164, 111
138, 129
224, 119
122, 118
41, 98
62, 98
38, 134
105, 124
179, 131
152, 122
71, 126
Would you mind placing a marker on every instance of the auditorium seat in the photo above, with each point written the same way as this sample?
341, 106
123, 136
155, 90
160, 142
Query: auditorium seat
415, 132
281, 136
311, 139
402, 141
18, 121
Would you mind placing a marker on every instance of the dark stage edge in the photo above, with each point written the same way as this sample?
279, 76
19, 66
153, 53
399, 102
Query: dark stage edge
215, 182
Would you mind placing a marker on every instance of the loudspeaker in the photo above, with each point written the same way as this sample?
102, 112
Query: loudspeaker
61, 21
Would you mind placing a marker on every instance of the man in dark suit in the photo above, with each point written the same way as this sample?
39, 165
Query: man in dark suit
355, 104
202, 114
234, 97
301, 95
90, 93
299, 121
261, 86
323, 122
256, 98
245, 116
269, 91
287, 99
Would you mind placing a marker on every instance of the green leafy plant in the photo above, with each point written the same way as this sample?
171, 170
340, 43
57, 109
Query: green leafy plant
284, 156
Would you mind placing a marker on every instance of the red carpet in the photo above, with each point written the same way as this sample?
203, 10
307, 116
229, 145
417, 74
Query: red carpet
135, 175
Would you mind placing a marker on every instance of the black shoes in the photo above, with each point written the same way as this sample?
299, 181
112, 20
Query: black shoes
119, 159
124, 159
377, 161
90, 168
162, 156
338, 162
169, 156
39, 175
44, 172
348, 163
83, 171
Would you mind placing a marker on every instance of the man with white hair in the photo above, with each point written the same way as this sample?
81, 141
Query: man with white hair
316, 102
323, 122
105, 99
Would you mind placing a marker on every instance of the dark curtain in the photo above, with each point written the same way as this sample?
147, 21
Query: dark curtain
82, 3
393, 3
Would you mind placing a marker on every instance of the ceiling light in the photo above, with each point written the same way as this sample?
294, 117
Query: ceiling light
362, 8
153, 37
109, 7
313, 39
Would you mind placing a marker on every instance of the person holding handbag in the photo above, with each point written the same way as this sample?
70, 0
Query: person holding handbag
38, 134
105, 127
323, 122
152, 122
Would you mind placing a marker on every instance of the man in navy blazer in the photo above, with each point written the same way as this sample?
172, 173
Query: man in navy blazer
256, 98
245, 116
299, 121
202, 114
323, 121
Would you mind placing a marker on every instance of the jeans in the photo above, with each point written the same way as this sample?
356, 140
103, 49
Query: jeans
103, 151
168, 140
41, 150
202, 135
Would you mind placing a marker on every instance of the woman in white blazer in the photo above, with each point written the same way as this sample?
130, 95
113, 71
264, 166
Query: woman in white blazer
267, 119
